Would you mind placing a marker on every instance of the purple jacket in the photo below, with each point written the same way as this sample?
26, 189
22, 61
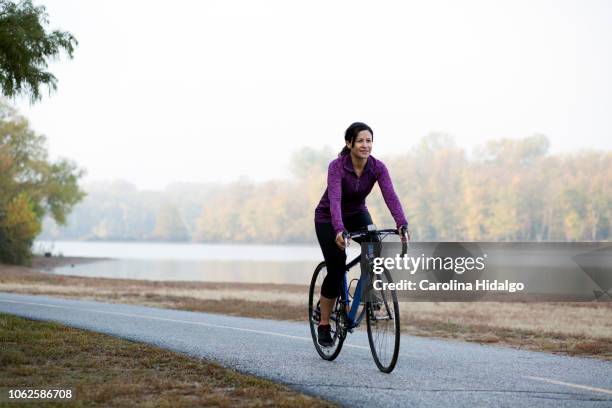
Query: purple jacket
346, 193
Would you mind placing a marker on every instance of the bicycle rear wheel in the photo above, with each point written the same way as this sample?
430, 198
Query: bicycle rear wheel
383, 323
314, 316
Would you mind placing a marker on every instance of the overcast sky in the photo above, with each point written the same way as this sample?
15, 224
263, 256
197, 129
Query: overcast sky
201, 91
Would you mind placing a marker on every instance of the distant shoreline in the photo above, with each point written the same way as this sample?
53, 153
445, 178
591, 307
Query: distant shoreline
44, 263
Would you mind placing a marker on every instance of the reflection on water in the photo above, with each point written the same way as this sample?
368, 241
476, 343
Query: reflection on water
192, 262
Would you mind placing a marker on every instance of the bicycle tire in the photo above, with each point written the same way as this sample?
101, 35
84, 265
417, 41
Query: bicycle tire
326, 353
385, 359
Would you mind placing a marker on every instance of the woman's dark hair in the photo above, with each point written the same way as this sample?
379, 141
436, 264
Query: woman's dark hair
351, 134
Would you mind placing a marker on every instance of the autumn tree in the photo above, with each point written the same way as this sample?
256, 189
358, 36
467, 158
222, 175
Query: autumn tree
31, 186
169, 225
18, 228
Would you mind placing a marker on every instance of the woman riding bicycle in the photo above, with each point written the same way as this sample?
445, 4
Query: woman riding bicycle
342, 208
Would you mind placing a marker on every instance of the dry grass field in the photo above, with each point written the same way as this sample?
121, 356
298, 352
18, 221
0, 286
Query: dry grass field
103, 371
569, 328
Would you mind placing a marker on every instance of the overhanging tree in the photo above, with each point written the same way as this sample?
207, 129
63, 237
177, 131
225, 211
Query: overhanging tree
26, 46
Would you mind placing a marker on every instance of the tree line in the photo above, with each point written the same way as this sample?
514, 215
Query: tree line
506, 190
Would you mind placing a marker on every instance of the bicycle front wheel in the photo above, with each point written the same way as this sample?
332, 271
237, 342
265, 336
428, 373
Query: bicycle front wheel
314, 316
383, 323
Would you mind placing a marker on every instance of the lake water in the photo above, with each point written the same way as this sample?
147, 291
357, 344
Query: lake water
190, 262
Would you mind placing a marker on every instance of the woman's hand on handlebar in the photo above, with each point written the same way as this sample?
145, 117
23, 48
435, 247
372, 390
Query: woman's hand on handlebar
340, 240
404, 233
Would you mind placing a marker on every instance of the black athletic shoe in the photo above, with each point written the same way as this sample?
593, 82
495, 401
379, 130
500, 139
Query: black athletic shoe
324, 335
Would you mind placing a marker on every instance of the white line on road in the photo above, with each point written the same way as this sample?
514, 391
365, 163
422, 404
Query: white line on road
567, 384
219, 326
548, 380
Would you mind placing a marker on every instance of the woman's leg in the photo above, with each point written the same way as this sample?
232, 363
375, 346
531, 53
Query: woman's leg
335, 259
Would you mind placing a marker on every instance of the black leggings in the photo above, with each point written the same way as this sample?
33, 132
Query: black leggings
335, 258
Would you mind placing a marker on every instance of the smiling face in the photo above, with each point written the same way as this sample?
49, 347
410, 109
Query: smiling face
362, 146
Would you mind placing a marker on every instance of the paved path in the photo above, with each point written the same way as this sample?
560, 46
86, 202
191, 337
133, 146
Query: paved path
429, 372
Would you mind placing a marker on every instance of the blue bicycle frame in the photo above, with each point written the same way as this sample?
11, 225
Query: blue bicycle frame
353, 319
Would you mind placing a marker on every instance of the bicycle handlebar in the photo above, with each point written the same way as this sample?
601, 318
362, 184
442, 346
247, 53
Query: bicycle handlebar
357, 234
403, 232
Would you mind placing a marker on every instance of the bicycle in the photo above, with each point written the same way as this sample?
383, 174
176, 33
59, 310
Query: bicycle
381, 314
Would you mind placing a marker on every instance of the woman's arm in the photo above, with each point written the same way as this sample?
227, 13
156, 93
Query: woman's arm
334, 192
388, 193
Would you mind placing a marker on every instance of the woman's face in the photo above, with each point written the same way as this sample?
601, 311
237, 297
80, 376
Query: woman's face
362, 147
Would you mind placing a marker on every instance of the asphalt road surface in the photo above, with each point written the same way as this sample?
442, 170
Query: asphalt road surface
429, 372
